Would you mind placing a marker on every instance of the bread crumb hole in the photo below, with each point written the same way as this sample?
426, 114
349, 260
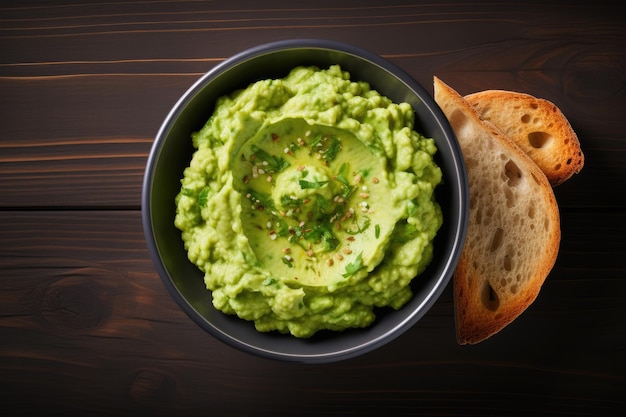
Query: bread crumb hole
513, 289
525, 118
507, 263
510, 198
534, 105
496, 240
479, 216
489, 298
531, 212
557, 167
539, 139
513, 173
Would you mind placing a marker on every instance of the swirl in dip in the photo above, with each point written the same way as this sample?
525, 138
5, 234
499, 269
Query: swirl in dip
309, 202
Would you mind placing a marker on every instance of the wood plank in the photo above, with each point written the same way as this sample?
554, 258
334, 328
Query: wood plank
87, 327
82, 116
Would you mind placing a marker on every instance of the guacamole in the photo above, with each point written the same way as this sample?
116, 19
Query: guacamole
309, 202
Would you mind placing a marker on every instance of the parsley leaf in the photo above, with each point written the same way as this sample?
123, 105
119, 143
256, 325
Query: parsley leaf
323, 233
304, 184
274, 163
353, 267
203, 196
404, 233
342, 178
333, 149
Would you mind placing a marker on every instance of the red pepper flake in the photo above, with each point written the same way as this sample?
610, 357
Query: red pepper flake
375, 180
348, 214
275, 137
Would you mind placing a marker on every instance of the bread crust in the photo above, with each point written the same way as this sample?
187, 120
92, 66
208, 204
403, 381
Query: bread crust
537, 126
513, 232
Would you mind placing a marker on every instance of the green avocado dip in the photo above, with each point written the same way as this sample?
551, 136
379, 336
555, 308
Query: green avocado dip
309, 202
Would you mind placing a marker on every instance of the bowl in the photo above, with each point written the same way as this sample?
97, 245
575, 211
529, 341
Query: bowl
171, 154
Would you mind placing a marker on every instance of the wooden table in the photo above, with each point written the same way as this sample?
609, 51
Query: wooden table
86, 326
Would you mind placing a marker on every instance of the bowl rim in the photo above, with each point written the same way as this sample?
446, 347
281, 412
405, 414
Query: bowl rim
460, 228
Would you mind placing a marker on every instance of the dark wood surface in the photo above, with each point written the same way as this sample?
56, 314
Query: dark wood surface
87, 328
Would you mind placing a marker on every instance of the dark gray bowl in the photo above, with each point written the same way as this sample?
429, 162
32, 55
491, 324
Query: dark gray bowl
171, 153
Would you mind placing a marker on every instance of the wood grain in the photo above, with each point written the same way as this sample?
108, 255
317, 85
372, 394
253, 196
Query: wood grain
113, 77
84, 318
87, 328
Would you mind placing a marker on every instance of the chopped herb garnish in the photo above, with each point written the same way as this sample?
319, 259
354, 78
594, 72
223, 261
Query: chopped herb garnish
287, 260
264, 200
274, 163
289, 201
333, 149
282, 228
326, 147
187, 192
322, 233
304, 184
353, 267
203, 196
404, 233
342, 177
316, 140
377, 231
269, 281
321, 205
360, 227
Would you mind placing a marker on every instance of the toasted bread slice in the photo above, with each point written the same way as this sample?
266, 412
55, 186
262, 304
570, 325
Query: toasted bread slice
535, 125
513, 230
